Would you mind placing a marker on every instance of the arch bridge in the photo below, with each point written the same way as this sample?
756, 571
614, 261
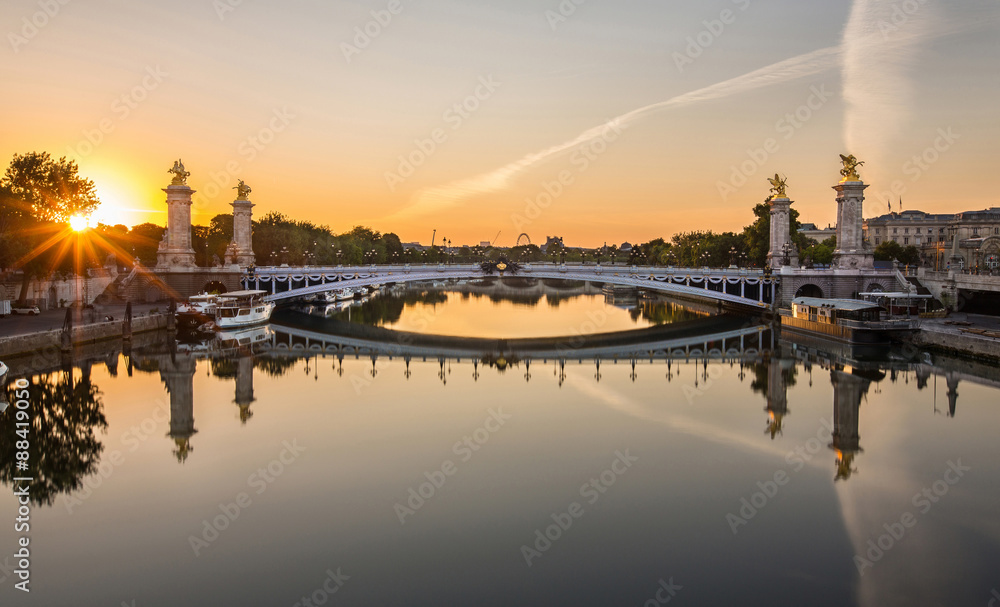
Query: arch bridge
749, 288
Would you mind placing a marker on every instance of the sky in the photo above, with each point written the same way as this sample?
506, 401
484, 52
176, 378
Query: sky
592, 120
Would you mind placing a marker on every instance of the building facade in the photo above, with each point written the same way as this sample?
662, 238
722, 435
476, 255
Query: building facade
978, 235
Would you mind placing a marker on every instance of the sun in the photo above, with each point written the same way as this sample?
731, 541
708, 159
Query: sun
79, 223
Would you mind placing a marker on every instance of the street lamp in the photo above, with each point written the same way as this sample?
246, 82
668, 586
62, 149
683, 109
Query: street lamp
732, 257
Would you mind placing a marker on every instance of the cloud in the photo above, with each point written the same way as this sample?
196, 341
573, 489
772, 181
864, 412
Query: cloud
880, 45
439, 198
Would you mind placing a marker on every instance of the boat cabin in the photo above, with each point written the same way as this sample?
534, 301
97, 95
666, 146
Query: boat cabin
830, 311
240, 303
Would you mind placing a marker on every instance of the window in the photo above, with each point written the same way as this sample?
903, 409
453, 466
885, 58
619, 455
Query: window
930, 230
877, 230
975, 231
996, 230
906, 230
895, 230
906, 241
917, 241
876, 241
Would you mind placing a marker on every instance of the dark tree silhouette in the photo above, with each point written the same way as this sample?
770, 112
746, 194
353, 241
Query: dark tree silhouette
64, 448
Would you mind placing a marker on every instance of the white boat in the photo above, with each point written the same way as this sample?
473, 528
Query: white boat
197, 310
242, 309
344, 294
243, 338
3, 382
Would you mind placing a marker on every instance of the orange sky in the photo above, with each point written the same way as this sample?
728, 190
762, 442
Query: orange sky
487, 97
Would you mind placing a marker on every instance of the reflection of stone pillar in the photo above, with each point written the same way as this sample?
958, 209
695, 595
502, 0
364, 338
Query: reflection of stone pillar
781, 234
178, 375
244, 387
952, 393
175, 249
851, 252
777, 394
848, 390
240, 250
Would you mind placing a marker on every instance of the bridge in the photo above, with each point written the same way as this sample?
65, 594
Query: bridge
743, 287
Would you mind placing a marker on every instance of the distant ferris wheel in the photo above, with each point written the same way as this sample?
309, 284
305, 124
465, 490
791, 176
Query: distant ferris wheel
524, 236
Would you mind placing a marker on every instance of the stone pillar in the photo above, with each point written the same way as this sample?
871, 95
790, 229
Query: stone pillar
851, 252
781, 234
777, 393
175, 249
244, 387
240, 250
178, 375
848, 390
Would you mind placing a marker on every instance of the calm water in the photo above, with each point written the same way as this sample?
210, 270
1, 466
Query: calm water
767, 473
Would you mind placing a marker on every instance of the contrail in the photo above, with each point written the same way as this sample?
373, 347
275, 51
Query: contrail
879, 48
435, 199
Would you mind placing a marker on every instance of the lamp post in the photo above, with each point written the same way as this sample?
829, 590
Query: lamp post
732, 257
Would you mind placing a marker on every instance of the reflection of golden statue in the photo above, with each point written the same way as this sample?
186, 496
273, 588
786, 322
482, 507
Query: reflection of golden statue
242, 190
778, 186
850, 170
180, 175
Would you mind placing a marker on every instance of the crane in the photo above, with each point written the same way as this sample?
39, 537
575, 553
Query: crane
433, 236
495, 238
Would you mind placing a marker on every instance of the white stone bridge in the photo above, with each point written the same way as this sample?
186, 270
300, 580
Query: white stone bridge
750, 288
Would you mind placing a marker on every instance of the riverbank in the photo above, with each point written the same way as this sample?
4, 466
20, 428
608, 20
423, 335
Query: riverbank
22, 338
967, 335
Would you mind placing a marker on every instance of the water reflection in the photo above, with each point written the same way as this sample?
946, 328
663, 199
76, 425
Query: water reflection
353, 389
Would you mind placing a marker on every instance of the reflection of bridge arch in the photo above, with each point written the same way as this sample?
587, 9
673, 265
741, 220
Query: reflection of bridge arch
720, 338
525, 236
733, 286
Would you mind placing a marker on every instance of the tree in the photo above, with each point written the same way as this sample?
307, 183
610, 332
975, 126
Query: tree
38, 195
890, 250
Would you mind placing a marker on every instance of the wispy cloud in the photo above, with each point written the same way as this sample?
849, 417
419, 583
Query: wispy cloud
436, 199
880, 44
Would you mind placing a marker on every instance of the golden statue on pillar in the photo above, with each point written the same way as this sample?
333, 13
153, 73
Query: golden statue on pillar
850, 170
180, 175
242, 190
778, 186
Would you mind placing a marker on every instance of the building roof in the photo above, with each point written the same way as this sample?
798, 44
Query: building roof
914, 215
837, 304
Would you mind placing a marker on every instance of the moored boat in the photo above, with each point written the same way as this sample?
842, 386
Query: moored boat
242, 309
197, 310
848, 320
